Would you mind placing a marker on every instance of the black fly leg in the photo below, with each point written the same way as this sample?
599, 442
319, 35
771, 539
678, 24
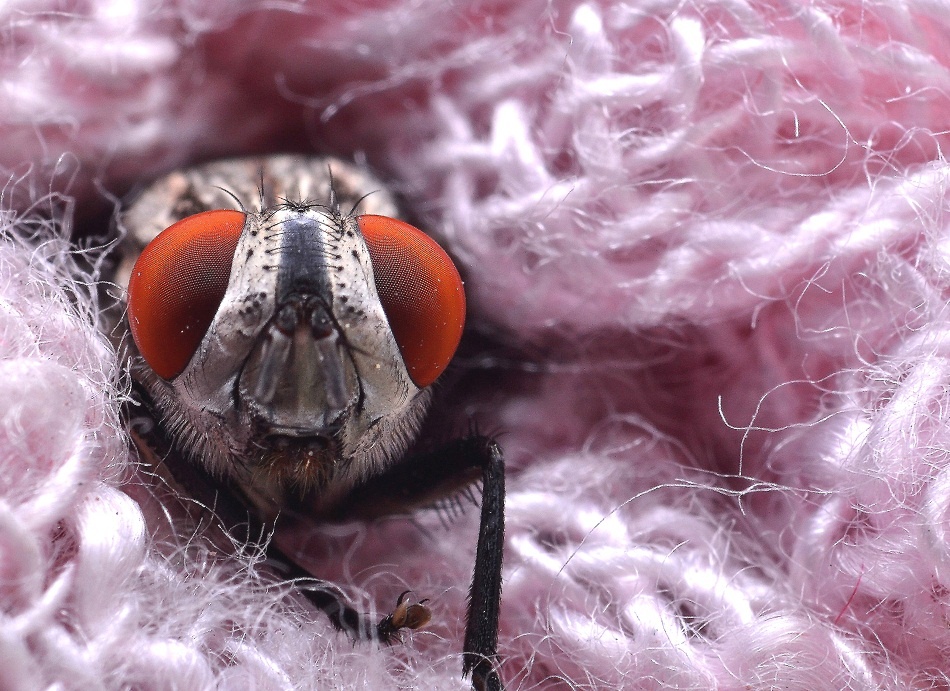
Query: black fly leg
426, 479
328, 599
481, 631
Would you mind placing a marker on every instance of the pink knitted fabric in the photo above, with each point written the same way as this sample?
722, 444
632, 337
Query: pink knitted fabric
707, 252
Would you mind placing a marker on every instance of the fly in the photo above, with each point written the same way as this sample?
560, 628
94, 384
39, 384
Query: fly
288, 346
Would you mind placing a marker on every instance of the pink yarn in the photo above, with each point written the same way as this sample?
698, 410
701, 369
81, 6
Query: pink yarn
707, 257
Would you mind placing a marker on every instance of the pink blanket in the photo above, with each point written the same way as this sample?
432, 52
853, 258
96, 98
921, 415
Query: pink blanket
707, 252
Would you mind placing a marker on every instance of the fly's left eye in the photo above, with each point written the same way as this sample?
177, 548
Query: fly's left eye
421, 292
177, 285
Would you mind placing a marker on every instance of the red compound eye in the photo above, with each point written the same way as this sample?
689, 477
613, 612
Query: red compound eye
177, 286
421, 292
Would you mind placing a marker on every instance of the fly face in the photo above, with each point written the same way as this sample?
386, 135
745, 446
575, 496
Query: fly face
292, 348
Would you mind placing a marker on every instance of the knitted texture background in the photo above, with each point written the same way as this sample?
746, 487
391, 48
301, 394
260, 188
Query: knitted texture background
707, 251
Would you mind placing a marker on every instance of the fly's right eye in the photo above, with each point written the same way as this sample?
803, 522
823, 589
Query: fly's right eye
177, 285
421, 292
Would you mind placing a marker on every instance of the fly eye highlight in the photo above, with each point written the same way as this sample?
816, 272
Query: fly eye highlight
421, 292
177, 285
